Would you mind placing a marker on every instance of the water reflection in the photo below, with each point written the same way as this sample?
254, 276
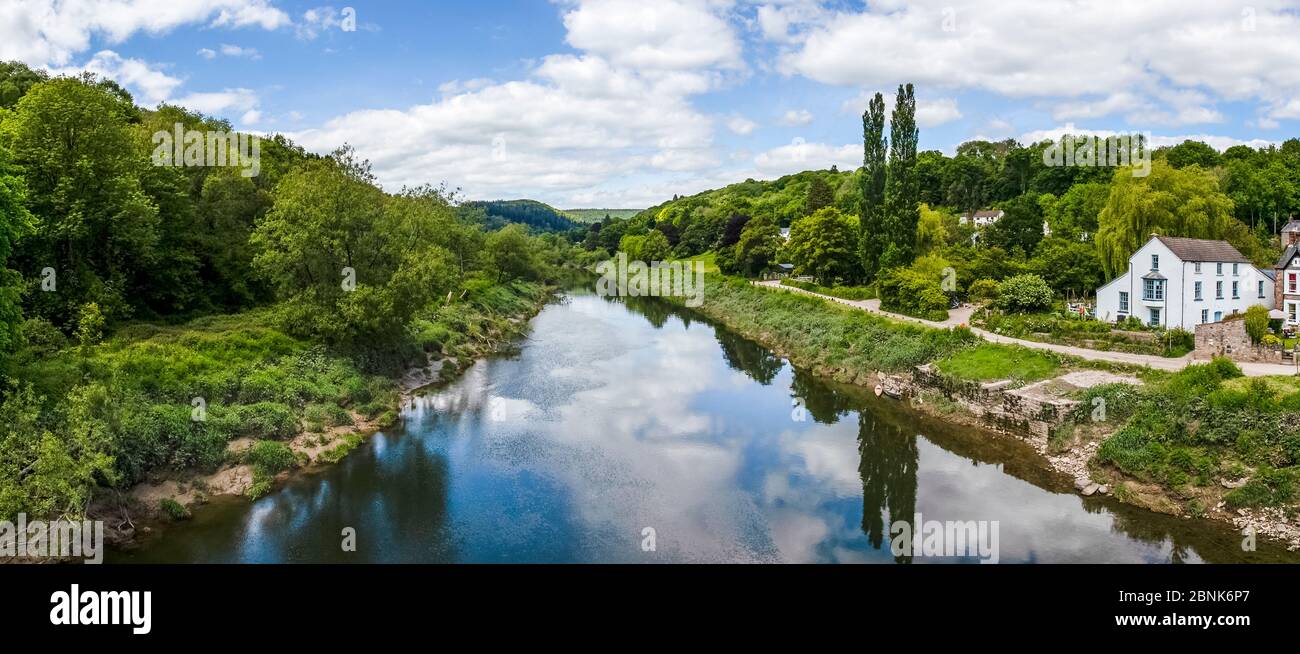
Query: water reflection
618, 415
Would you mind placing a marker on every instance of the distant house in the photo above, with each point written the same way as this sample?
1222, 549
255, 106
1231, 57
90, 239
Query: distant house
1183, 282
982, 218
1286, 273
785, 233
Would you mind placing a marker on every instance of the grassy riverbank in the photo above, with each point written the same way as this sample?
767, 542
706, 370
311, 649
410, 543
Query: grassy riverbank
227, 393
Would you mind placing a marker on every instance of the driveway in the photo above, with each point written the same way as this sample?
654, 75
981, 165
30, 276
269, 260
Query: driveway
961, 316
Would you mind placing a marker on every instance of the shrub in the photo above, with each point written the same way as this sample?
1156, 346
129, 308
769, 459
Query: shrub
1270, 340
906, 291
1268, 487
271, 456
983, 289
174, 509
90, 324
1024, 293
1257, 322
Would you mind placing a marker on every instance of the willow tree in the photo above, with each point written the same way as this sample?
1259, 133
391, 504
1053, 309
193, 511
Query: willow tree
1170, 202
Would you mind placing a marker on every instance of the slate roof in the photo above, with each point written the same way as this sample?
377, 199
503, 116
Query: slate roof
1289, 252
1291, 225
1199, 249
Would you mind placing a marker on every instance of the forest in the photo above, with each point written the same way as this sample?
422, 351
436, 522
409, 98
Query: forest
149, 314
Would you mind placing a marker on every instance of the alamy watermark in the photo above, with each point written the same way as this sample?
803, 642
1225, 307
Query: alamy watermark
1102, 152
975, 538
622, 278
60, 539
194, 148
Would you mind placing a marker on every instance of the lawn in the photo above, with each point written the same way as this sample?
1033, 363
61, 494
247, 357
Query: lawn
990, 361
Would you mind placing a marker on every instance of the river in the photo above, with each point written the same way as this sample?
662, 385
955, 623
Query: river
631, 431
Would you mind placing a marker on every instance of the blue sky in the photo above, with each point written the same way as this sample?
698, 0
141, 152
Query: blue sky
622, 103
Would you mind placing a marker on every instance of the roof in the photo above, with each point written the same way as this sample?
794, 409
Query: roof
1291, 225
1286, 256
1154, 274
1199, 249
985, 214
1271, 274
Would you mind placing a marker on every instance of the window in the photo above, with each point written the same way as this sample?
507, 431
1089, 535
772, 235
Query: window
1155, 317
1218, 316
1123, 302
1218, 269
1197, 290
1260, 286
1205, 315
1155, 262
1218, 290
1153, 289
1291, 312
1234, 290
1196, 267
1234, 270
1291, 282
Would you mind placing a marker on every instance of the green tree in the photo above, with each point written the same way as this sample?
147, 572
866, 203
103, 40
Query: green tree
1256, 322
1169, 201
873, 178
902, 195
758, 246
15, 222
1021, 225
511, 254
820, 195
1068, 265
1074, 214
824, 245
1192, 153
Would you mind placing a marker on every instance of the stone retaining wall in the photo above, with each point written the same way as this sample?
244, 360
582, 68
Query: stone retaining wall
1229, 339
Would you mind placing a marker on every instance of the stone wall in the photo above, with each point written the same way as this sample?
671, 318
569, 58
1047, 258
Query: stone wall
1019, 411
1229, 339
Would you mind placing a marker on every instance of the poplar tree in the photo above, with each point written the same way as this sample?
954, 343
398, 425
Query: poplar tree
902, 191
871, 239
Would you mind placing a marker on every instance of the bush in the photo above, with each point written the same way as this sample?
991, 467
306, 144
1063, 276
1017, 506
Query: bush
983, 289
1024, 293
1257, 323
174, 509
271, 456
906, 291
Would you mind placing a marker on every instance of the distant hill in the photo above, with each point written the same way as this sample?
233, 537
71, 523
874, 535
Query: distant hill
540, 216
588, 216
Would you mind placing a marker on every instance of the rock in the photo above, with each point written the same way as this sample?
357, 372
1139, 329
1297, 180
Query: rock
1233, 484
1091, 489
1104, 490
1081, 483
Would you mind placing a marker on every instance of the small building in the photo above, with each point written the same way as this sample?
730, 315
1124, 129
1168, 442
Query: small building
982, 218
1286, 273
785, 233
1175, 282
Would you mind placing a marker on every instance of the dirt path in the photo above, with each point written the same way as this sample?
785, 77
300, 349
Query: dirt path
962, 316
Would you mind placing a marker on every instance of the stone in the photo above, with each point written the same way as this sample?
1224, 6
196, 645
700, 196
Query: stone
1081, 483
1104, 489
1091, 489
1233, 484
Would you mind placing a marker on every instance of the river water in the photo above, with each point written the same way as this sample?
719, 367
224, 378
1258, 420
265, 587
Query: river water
630, 432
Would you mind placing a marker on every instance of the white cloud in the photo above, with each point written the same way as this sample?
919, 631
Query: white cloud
799, 155
52, 32
237, 51
797, 118
149, 84
319, 20
665, 35
1215, 141
741, 125
207, 53
1125, 58
929, 113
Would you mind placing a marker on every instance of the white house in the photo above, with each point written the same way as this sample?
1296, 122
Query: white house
982, 218
1184, 282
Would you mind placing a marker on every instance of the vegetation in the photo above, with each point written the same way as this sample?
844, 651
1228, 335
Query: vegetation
991, 361
842, 292
536, 215
152, 312
1205, 424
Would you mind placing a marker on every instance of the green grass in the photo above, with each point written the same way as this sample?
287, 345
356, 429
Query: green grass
710, 260
842, 292
990, 361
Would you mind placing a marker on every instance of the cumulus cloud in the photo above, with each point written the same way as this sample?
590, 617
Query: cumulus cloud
1126, 58
52, 32
1215, 141
929, 112
666, 35
797, 118
741, 125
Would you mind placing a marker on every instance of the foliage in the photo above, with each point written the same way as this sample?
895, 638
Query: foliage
912, 293
541, 217
1024, 293
823, 245
842, 292
1256, 322
983, 289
